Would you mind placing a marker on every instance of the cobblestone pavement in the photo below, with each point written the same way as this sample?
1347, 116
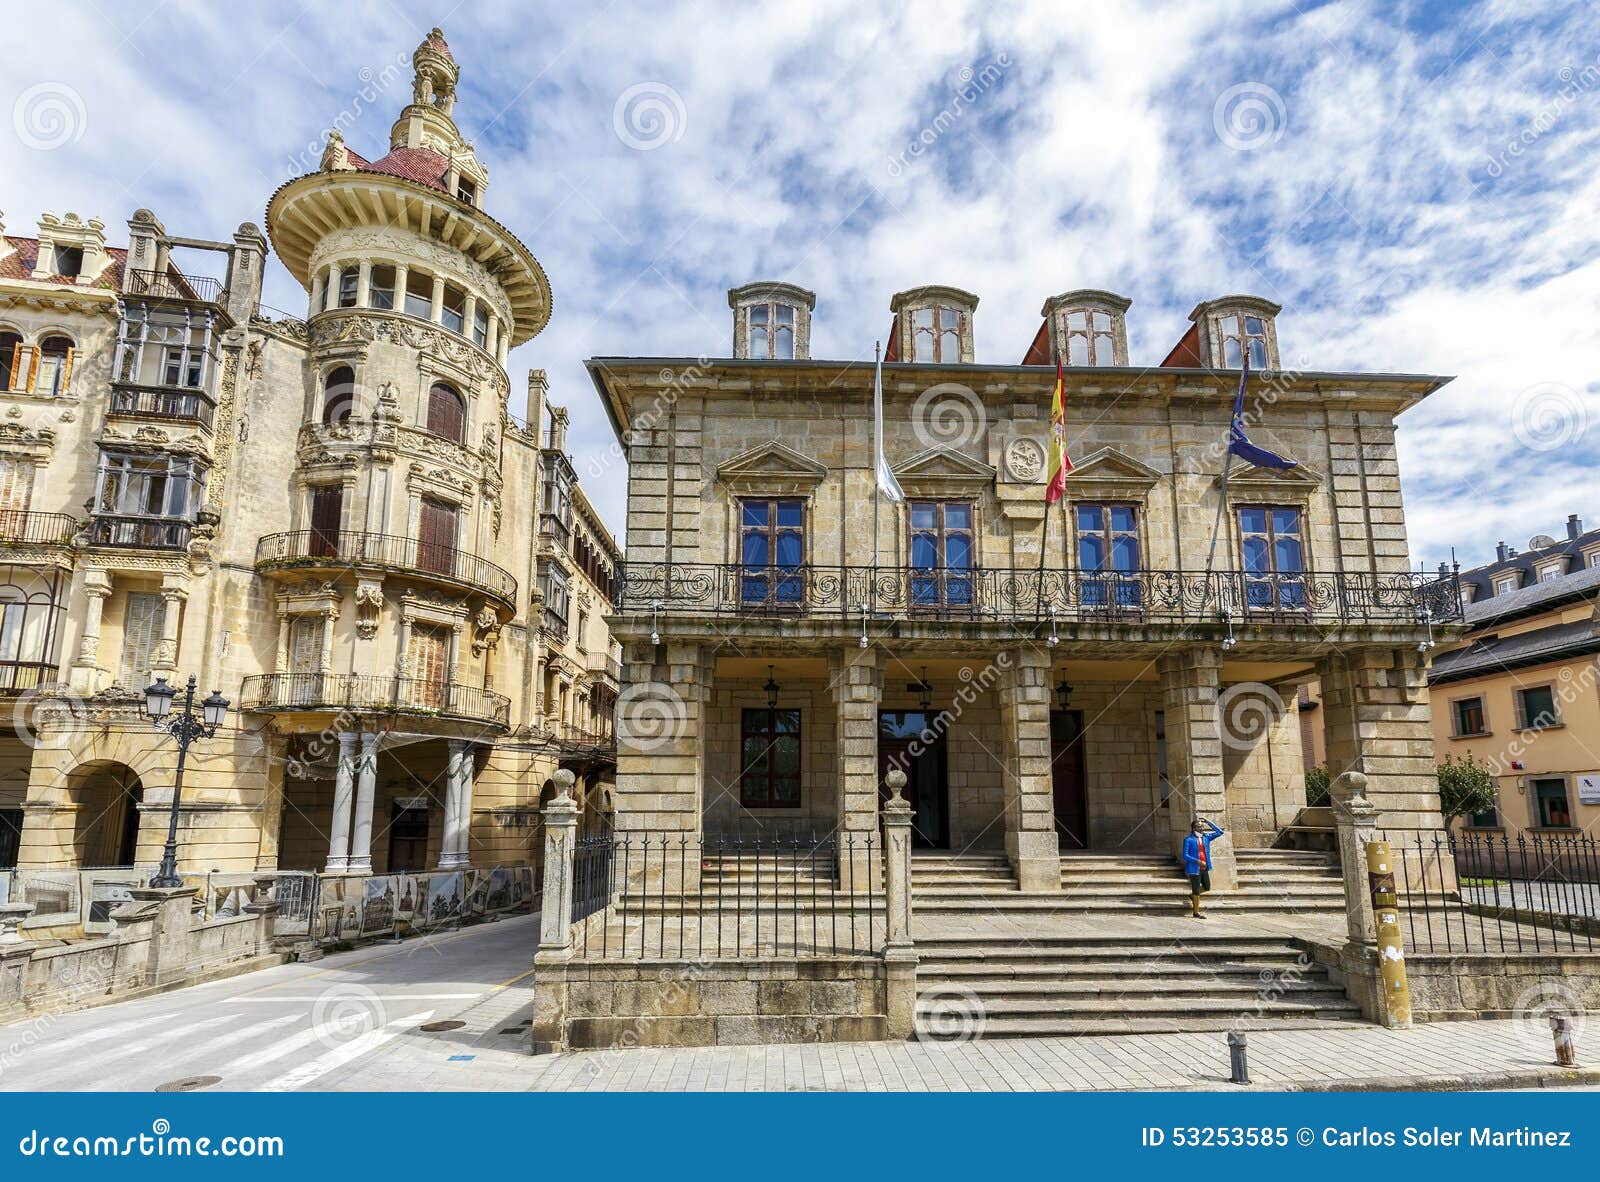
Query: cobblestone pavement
354, 1022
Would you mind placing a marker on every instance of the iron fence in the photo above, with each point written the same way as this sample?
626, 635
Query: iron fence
1478, 892
313, 548
1160, 596
649, 894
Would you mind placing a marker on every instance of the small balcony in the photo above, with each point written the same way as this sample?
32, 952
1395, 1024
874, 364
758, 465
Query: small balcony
169, 285
272, 693
173, 404
138, 532
21, 677
310, 549
605, 664
21, 527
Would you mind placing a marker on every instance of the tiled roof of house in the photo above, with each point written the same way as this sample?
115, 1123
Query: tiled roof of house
1494, 653
1533, 597
423, 165
19, 264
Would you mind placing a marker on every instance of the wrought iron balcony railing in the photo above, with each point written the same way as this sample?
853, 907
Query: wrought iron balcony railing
357, 694
176, 404
1156, 596
24, 527
146, 533
325, 548
18, 677
168, 285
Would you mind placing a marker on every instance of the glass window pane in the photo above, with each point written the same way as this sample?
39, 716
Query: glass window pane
1089, 517
958, 552
1105, 353
958, 516
922, 318
791, 550
755, 549
785, 314
1231, 356
1286, 520
758, 342
1287, 555
758, 314
791, 512
1091, 552
1125, 553
1077, 350
1077, 322
924, 515
1258, 353
1255, 554
1122, 517
1252, 325
1102, 322
755, 513
924, 551
1253, 521
784, 349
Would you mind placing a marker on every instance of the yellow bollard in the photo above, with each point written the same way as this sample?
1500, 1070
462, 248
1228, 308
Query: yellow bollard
1391, 952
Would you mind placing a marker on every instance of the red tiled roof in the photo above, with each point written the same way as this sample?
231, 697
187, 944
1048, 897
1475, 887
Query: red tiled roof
20, 262
1186, 353
423, 165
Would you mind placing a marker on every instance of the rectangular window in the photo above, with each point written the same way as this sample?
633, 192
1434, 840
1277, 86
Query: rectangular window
1550, 796
419, 295
480, 328
1536, 707
1506, 585
1089, 339
771, 551
16, 494
452, 314
182, 368
141, 632
380, 289
148, 486
1238, 332
769, 758
1274, 558
348, 279
941, 548
1549, 573
1108, 554
437, 530
305, 645
1469, 717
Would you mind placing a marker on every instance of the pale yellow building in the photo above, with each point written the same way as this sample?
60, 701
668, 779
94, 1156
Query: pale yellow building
332, 519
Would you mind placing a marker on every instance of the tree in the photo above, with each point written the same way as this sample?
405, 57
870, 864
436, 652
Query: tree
1318, 784
1465, 788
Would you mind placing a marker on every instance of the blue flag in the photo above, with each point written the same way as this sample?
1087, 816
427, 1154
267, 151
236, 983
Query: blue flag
1238, 443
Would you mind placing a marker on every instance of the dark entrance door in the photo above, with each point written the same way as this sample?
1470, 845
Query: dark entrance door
10, 837
436, 537
327, 515
1067, 779
408, 837
128, 839
901, 744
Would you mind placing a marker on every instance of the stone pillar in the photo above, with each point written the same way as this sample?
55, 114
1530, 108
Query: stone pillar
344, 791
330, 289
12, 916
1190, 679
366, 792
270, 825
494, 339
549, 1028
1357, 823
661, 738
857, 685
402, 276
170, 951
173, 598
436, 306
265, 908
1378, 722
453, 852
464, 787
319, 294
363, 282
1031, 841
96, 589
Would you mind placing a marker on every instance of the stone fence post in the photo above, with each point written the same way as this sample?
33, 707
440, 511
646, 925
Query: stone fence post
15, 952
170, 910
1371, 961
549, 1030
265, 908
1356, 820
899, 950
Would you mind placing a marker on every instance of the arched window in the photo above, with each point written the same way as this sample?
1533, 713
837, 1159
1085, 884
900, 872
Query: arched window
13, 364
447, 413
55, 365
338, 396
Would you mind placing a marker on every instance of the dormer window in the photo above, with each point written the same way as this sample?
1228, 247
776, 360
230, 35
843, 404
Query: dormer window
1239, 333
466, 191
771, 321
69, 261
1233, 326
1549, 572
1086, 328
933, 325
936, 334
1505, 585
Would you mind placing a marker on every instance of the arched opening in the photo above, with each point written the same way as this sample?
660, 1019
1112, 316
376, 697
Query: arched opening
338, 396
105, 831
13, 370
55, 365
447, 413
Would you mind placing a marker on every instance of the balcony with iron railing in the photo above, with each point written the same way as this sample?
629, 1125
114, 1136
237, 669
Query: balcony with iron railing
175, 404
139, 532
604, 663
169, 285
357, 694
23, 677
311, 549
1019, 595
23, 527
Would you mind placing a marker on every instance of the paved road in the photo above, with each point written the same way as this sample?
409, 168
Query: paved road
352, 1022
295, 1026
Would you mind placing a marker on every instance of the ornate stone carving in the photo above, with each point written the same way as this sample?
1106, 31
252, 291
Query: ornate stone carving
1024, 460
369, 606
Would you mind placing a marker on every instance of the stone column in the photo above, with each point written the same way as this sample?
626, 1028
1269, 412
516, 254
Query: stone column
436, 306
453, 852
402, 276
96, 589
1031, 841
494, 336
331, 288
550, 962
344, 790
319, 294
363, 282
464, 787
366, 792
857, 685
899, 951
173, 598
1190, 680
1357, 823
270, 826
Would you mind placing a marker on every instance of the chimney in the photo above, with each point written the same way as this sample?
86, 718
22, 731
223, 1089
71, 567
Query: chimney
558, 429
247, 258
1501, 553
1444, 570
1574, 526
538, 394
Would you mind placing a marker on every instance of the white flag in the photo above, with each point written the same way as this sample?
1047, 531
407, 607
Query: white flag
887, 484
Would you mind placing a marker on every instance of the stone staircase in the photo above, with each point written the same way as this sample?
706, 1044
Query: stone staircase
979, 986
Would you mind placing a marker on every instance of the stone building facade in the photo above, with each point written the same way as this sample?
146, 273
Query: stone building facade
1087, 676
333, 520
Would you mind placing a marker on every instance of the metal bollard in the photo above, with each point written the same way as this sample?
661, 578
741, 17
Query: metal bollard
1566, 1047
1238, 1065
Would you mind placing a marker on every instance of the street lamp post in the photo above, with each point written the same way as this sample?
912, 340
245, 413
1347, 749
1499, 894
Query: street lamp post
185, 727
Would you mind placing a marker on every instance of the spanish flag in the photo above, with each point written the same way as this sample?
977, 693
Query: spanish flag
1060, 465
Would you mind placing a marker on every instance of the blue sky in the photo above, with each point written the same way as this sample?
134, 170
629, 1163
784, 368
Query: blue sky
1415, 183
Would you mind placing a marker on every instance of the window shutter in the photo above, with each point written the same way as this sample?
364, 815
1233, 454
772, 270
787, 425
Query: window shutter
141, 630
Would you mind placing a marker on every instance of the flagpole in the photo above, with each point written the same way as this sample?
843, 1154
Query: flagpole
877, 451
1227, 468
1044, 534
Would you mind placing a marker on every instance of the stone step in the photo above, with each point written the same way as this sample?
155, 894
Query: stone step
1025, 947
1062, 904
992, 974
1185, 1005
1079, 1027
1217, 991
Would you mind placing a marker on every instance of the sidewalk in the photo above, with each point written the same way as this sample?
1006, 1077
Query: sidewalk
1437, 1056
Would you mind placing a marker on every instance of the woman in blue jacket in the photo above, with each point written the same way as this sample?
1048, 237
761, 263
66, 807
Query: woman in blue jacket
1197, 860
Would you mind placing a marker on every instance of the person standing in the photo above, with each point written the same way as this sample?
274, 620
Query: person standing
1197, 860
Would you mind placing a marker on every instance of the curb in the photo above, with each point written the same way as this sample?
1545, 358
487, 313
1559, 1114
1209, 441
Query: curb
1478, 1081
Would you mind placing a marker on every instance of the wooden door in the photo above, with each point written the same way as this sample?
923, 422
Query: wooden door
16, 491
141, 631
429, 664
436, 537
1067, 779
327, 516
408, 837
305, 660
908, 740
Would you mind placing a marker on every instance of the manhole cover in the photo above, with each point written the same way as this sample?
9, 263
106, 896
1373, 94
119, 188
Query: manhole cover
190, 1084
436, 1027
